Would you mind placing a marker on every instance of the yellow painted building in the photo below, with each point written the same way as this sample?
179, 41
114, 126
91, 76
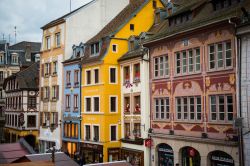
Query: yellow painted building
101, 113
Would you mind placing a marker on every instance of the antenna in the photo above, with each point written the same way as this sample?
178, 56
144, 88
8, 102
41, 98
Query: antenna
15, 33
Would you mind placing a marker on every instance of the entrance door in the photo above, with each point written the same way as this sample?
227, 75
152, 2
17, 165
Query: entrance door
165, 155
190, 157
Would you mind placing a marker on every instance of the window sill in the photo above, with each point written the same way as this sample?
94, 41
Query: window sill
93, 113
87, 85
188, 121
220, 123
218, 70
162, 120
185, 75
160, 78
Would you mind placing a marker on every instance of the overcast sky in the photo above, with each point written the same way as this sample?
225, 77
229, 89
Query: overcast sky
29, 15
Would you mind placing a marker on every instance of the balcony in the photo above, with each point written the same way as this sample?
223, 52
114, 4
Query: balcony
136, 141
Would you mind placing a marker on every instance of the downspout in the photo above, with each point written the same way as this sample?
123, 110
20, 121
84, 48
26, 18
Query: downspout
80, 104
238, 72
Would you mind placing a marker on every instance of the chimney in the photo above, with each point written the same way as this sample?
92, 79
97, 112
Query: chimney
28, 53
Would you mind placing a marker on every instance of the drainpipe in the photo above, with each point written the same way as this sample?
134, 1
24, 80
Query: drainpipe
238, 72
80, 104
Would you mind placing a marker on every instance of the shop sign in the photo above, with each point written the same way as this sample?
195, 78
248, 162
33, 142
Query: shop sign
71, 118
222, 159
165, 150
114, 150
148, 143
92, 146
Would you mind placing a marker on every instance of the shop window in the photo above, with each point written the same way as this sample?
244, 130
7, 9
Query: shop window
188, 108
165, 155
220, 56
137, 72
113, 133
221, 108
31, 121
162, 110
220, 158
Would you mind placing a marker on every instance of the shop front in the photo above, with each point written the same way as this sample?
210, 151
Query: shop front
71, 148
219, 158
190, 157
114, 154
91, 153
165, 155
134, 157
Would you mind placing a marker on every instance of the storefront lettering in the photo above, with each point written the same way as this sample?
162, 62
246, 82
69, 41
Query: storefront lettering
165, 150
223, 159
92, 146
71, 118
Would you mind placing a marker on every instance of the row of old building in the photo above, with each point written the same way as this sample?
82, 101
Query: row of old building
152, 82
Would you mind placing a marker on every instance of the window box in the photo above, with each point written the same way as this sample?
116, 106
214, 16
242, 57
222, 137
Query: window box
137, 109
54, 73
76, 84
46, 75
68, 85
138, 141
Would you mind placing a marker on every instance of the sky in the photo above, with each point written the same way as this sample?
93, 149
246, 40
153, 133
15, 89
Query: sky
30, 15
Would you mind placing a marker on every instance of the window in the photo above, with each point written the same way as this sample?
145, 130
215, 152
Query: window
112, 75
132, 45
113, 132
161, 66
47, 69
188, 108
113, 104
76, 77
68, 74
14, 58
88, 77
1, 76
94, 49
54, 119
220, 55
31, 102
137, 130
127, 104
87, 132
187, 61
154, 4
137, 72
96, 133
132, 27
87, 104
96, 104
114, 48
54, 68
75, 102
55, 92
58, 39
221, 108
31, 120
46, 92
67, 102
47, 42
126, 74
96, 72
1, 58
162, 110
137, 104
127, 130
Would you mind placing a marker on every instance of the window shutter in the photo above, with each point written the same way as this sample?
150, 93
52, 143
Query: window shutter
56, 118
41, 118
57, 92
41, 93
42, 70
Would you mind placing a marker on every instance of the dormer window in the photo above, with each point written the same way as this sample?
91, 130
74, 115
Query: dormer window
14, 58
132, 45
95, 49
157, 18
154, 4
221, 4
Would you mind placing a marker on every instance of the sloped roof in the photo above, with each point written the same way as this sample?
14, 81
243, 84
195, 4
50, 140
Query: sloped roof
116, 22
61, 159
202, 18
35, 46
61, 19
27, 78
